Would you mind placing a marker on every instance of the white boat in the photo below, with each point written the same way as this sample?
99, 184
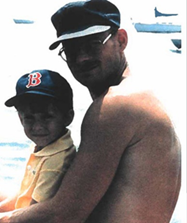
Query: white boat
157, 27
157, 13
161, 23
23, 21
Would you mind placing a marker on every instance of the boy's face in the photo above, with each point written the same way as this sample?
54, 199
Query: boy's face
43, 124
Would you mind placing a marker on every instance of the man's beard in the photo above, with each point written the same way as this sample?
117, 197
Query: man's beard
98, 88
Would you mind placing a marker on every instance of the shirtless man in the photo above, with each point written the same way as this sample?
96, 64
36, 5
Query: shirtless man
127, 169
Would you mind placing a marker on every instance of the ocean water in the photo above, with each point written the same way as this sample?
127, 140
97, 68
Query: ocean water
154, 61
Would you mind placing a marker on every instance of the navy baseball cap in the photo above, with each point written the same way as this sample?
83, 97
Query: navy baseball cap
42, 82
82, 18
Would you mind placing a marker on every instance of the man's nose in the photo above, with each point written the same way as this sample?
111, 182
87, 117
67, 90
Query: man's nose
83, 53
79, 53
82, 56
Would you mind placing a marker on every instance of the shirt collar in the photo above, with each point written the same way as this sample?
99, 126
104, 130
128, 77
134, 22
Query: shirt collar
59, 145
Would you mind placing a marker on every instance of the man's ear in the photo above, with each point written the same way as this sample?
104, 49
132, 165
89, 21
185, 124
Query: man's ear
69, 117
122, 38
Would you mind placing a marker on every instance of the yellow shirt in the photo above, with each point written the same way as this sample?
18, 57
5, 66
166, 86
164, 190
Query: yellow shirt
45, 170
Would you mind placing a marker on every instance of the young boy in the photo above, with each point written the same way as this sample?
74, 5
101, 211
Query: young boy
44, 101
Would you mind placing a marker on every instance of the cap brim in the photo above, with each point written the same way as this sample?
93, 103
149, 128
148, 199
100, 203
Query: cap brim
80, 33
13, 101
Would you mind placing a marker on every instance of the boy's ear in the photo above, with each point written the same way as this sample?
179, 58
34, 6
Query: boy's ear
122, 38
69, 117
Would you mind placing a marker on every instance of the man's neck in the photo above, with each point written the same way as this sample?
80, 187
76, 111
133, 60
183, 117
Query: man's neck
124, 72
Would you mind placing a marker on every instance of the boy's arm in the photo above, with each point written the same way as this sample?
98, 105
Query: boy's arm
8, 204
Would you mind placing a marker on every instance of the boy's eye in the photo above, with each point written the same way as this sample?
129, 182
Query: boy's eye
48, 116
28, 118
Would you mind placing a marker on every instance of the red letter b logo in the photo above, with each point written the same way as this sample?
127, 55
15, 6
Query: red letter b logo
34, 80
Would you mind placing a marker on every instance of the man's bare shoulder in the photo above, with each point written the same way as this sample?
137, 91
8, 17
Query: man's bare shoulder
126, 115
126, 102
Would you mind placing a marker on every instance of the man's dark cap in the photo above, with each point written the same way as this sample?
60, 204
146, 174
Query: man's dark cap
82, 18
42, 82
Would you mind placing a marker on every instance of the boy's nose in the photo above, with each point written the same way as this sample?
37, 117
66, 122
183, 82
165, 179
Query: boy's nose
38, 125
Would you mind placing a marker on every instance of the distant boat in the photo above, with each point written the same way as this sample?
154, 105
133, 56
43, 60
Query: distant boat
23, 21
177, 43
157, 13
157, 28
